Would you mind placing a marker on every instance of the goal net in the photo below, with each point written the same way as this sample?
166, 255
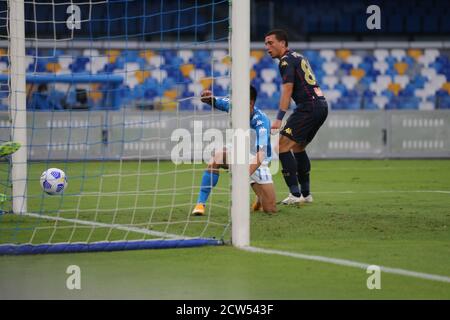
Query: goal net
108, 92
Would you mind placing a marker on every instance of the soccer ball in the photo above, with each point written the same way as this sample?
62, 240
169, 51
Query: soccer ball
53, 181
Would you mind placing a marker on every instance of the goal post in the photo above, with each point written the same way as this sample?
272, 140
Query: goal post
18, 105
240, 98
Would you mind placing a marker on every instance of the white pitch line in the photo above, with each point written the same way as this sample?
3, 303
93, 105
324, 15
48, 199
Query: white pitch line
378, 191
108, 225
349, 263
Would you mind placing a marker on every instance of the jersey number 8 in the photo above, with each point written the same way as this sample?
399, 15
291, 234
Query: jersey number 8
309, 75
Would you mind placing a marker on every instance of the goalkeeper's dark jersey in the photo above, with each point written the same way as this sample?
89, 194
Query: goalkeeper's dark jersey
294, 68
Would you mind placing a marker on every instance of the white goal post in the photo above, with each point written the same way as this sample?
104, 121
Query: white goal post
240, 97
18, 105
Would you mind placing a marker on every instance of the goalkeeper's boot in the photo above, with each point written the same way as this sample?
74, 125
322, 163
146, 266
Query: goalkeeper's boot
256, 206
291, 199
8, 148
307, 199
199, 209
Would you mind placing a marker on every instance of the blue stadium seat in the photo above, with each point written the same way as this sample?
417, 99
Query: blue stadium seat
444, 102
368, 104
408, 103
442, 93
348, 103
185, 105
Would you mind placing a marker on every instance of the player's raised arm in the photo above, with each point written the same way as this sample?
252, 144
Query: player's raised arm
222, 104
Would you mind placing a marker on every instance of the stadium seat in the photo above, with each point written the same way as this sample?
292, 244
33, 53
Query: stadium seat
159, 75
218, 55
402, 80
131, 81
354, 60
415, 53
186, 55
398, 54
446, 87
332, 95
268, 75
156, 61
328, 55
195, 89
257, 54
349, 82
429, 73
409, 103
444, 102
330, 68
223, 82
330, 81
343, 54
221, 69
380, 54
394, 88
268, 88
401, 67
381, 66
196, 74
396, 78
95, 64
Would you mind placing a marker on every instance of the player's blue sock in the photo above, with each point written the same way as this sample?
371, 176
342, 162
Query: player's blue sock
303, 169
209, 181
290, 172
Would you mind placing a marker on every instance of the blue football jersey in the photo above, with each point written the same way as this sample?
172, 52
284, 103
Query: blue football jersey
259, 122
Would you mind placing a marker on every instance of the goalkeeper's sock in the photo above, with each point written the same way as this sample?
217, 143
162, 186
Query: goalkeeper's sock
303, 169
209, 181
290, 172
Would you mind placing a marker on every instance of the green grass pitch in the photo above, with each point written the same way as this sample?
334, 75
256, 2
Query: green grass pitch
393, 213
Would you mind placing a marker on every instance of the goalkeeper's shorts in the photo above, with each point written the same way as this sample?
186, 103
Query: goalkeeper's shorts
261, 175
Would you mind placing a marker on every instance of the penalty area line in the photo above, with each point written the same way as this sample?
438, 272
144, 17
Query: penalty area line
349, 263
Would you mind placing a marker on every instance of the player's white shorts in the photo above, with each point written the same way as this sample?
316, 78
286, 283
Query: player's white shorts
261, 175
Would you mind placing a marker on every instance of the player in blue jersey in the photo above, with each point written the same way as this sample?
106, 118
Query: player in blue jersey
299, 84
260, 176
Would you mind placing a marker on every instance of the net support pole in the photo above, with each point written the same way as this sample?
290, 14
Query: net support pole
240, 98
18, 105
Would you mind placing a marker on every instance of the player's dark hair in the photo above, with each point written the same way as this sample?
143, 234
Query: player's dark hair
279, 34
253, 93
